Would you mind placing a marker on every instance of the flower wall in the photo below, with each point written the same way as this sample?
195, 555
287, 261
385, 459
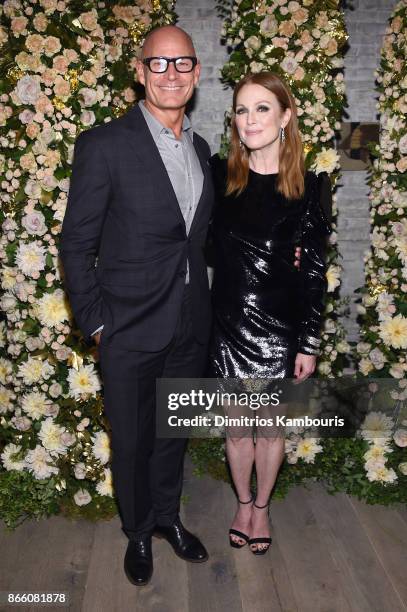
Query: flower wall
65, 66
303, 43
381, 352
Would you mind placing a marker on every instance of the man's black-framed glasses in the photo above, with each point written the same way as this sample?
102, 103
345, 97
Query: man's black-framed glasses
160, 64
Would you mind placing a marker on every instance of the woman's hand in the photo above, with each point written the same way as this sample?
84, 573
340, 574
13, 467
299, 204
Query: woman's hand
304, 366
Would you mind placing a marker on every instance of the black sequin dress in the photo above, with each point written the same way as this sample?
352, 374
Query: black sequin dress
265, 309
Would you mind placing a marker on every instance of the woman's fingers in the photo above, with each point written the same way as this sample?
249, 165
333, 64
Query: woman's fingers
304, 366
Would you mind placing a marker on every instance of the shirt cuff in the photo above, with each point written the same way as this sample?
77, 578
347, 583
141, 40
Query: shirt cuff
97, 330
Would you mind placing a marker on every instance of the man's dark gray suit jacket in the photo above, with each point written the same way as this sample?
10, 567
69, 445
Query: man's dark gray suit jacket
123, 214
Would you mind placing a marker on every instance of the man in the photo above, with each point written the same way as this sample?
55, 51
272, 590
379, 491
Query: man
140, 200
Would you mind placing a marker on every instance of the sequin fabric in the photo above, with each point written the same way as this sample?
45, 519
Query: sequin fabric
265, 309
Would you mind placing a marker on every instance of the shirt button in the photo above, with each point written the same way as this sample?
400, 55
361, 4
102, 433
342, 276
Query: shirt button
176, 146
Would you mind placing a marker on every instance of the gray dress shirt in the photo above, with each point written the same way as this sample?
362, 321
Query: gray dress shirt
182, 165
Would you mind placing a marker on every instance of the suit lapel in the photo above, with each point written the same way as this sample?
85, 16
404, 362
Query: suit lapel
205, 170
147, 152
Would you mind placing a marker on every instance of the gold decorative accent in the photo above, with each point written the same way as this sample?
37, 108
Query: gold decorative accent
75, 360
338, 31
137, 32
73, 79
156, 6
307, 148
58, 103
61, 484
376, 290
120, 109
14, 74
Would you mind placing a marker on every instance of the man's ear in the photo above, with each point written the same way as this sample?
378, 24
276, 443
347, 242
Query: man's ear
197, 73
140, 72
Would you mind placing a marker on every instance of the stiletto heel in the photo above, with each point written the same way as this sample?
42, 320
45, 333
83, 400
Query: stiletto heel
260, 540
237, 533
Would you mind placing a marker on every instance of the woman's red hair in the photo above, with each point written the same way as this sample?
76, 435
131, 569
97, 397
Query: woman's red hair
291, 157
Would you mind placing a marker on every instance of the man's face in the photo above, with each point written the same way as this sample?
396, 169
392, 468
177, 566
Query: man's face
169, 90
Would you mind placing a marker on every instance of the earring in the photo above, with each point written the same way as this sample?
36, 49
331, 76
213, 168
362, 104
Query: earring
241, 144
282, 135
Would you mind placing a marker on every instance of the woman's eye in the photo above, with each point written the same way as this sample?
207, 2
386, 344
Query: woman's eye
239, 111
263, 108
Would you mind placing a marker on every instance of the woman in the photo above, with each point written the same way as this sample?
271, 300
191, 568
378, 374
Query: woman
267, 311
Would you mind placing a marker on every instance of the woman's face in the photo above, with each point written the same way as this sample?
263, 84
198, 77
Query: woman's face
258, 116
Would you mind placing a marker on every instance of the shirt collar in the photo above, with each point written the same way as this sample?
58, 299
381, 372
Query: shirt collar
157, 128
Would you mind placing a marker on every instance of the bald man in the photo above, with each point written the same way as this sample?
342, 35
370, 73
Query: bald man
140, 201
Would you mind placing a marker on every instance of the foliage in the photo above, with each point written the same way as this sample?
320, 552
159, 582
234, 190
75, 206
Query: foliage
303, 43
65, 66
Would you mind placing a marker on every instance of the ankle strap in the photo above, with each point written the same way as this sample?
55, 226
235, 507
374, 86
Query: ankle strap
260, 507
245, 502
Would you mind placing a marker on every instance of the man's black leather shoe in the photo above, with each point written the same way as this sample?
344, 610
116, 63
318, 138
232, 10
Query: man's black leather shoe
138, 561
185, 544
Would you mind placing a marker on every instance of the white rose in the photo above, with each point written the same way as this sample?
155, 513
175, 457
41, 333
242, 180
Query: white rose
64, 185
269, 26
377, 358
403, 468
324, 368
49, 182
80, 471
403, 144
88, 95
82, 497
26, 116
400, 437
8, 302
342, 346
32, 189
28, 89
253, 42
34, 223
397, 371
88, 117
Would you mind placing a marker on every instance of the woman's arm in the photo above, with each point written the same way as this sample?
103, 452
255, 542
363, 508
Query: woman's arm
315, 230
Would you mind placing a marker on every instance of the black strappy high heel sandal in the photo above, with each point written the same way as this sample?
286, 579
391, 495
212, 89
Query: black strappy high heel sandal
260, 540
237, 533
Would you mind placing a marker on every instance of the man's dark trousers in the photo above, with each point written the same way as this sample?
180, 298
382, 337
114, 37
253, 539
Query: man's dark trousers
147, 471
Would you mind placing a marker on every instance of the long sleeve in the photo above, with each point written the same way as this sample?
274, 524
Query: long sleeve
315, 230
88, 200
218, 171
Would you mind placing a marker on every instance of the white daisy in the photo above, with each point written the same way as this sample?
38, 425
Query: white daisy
30, 258
101, 446
40, 463
7, 458
83, 381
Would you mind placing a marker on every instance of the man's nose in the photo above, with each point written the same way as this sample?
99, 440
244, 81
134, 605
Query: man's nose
171, 71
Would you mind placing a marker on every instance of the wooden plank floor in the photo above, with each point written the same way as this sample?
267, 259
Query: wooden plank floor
329, 554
